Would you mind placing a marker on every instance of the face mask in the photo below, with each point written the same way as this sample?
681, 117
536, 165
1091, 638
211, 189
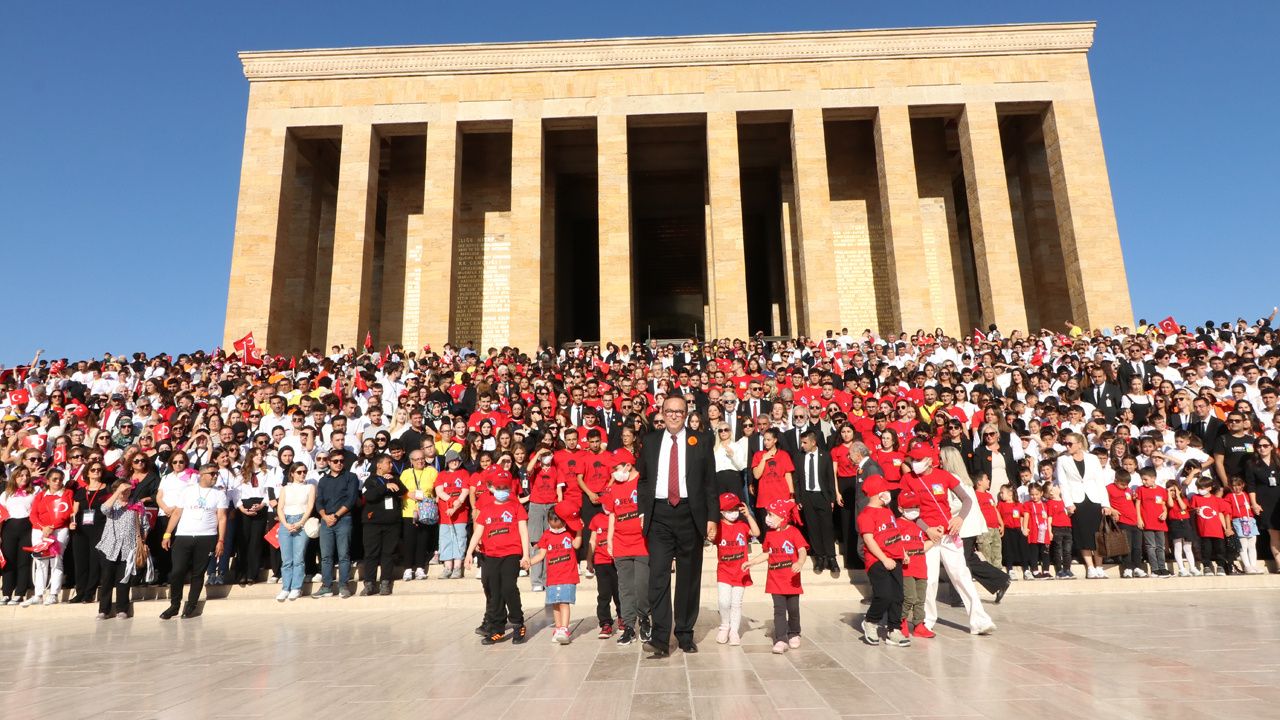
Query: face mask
731, 516
772, 522
558, 530
911, 513
620, 475
493, 405
546, 459
920, 467
885, 498
501, 495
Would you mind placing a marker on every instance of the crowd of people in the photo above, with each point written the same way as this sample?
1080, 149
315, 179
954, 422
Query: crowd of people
997, 458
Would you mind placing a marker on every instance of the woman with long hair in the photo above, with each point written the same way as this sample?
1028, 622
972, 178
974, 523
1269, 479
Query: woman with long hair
296, 503
15, 534
50, 523
86, 531
123, 523
250, 501
1262, 482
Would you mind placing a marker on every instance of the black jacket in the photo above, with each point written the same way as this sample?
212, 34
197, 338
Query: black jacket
700, 481
826, 475
376, 508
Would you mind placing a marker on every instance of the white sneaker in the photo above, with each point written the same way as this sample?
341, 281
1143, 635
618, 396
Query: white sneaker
29, 601
295, 594
15, 600
477, 575
284, 595
408, 575
1139, 573
420, 574
1196, 571
537, 588
523, 573
1013, 575
51, 599
317, 578
1102, 574
1127, 573
589, 573
1026, 575
1182, 572
274, 579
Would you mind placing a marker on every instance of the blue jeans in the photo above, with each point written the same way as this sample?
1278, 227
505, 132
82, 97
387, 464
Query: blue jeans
339, 534
293, 545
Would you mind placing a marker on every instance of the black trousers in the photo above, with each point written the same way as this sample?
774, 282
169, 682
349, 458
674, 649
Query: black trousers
1038, 556
249, 541
786, 616
161, 559
850, 538
1015, 549
606, 591
730, 481
190, 554
990, 577
379, 545
84, 541
589, 511
111, 577
886, 593
420, 543
1213, 549
1134, 558
673, 534
1060, 551
502, 595
15, 535
819, 527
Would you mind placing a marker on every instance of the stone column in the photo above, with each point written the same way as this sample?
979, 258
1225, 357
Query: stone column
909, 276
256, 299
351, 284
1090, 240
724, 246
990, 219
815, 299
429, 280
526, 233
615, 230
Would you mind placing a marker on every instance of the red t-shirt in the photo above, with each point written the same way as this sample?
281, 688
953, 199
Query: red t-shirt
891, 463
913, 539
596, 470
1058, 512
1153, 501
732, 550
543, 483
1037, 513
569, 463
1176, 511
628, 524
599, 528
783, 546
1208, 509
773, 481
880, 523
1010, 515
931, 489
844, 466
1238, 504
454, 484
501, 522
562, 558
988, 505
1122, 502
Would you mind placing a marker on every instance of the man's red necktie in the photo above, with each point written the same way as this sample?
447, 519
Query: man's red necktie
673, 472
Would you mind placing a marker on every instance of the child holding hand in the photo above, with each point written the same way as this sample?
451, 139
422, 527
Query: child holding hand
737, 527
915, 571
606, 574
1060, 520
558, 546
1153, 515
785, 549
1245, 527
882, 549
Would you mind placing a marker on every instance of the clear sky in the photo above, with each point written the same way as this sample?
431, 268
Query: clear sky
121, 129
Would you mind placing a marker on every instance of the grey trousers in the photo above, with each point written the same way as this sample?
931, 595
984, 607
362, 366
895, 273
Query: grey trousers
537, 526
633, 587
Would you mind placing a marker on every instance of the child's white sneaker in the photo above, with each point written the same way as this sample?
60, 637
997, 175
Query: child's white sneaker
1139, 573
1127, 573
420, 574
1196, 571
722, 635
1182, 572
561, 636
1026, 575
1013, 575
870, 633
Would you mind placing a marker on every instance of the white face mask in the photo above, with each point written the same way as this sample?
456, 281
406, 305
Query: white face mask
546, 459
920, 467
772, 522
911, 513
731, 516
560, 529
885, 497
493, 405
620, 475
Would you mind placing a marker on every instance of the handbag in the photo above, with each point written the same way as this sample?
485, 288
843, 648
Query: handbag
142, 552
1110, 540
428, 511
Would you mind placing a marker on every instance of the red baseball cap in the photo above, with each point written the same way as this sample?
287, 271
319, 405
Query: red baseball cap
875, 485
569, 513
623, 455
920, 452
908, 499
729, 501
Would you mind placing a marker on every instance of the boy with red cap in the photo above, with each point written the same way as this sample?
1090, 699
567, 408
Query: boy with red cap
737, 527
786, 550
627, 545
559, 546
503, 526
915, 571
933, 488
881, 551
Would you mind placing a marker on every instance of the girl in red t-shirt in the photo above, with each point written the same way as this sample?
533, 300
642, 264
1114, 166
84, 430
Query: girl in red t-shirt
737, 527
1211, 524
1036, 526
1180, 535
453, 492
558, 546
785, 549
1013, 544
1245, 527
772, 470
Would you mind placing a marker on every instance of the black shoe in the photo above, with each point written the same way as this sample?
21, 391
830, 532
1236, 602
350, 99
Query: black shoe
385, 588
689, 647
834, 566
368, 590
492, 638
659, 653
169, 612
480, 630
190, 611
75, 600
520, 636
645, 629
819, 564
627, 637
1000, 593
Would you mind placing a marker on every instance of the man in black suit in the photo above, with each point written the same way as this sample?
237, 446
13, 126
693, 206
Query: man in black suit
816, 489
1135, 366
1205, 425
754, 404
677, 492
1103, 395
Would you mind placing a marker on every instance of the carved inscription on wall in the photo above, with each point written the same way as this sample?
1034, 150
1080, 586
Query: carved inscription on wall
483, 307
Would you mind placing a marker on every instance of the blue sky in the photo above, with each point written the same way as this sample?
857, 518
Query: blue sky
122, 128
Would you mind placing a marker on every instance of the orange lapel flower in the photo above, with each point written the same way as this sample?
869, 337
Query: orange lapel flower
693, 440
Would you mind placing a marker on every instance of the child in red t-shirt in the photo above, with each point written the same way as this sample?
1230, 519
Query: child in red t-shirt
785, 549
915, 571
1037, 529
1060, 522
1013, 541
503, 526
737, 527
1180, 534
1121, 498
606, 574
1245, 527
988, 542
627, 546
1153, 514
558, 546
1211, 523
882, 549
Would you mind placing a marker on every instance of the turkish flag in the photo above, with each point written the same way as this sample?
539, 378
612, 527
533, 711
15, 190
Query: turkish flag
243, 344
978, 336
1168, 326
368, 340
273, 536
253, 356
361, 385
60, 454
79, 410
19, 397
293, 363
35, 442
161, 431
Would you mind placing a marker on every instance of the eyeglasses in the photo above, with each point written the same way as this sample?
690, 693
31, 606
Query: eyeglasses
747, 424
299, 472
335, 460
139, 461
724, 429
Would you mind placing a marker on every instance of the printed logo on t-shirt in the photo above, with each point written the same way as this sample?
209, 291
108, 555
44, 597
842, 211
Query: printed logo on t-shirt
938, 489
788, 548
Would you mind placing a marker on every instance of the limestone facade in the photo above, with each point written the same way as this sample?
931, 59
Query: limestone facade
791, 183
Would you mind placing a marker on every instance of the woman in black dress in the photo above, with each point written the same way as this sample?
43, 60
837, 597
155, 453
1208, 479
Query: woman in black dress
1262, 482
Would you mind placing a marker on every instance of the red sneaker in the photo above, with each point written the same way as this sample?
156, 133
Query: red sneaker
923, 631
906, 628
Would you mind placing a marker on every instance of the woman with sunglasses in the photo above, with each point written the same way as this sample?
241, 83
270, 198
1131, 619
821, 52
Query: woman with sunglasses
731, 461
86, 531
116, 550
178, 476
249, 498
297, 501
994, 458
1262, 482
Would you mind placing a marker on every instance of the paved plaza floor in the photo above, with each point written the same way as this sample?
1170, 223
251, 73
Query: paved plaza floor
1167, 655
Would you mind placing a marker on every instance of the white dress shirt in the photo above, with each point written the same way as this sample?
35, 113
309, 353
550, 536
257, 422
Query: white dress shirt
664, 464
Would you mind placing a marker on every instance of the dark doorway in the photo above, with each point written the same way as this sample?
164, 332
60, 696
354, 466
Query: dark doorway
764, 152
574, 206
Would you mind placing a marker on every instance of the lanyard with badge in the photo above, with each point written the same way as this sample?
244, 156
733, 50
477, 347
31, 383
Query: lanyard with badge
389, 502
87, 516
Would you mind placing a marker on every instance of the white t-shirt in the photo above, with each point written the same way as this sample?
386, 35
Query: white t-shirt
200, 510
172, 485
